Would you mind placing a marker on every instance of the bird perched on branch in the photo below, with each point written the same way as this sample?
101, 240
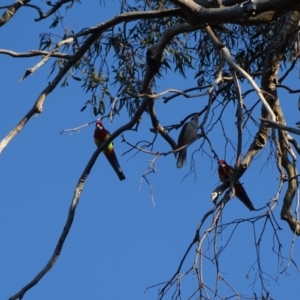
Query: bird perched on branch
100, 135
225, 172
187, 134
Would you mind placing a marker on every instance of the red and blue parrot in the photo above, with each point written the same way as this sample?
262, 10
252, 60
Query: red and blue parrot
100, 135
225, 172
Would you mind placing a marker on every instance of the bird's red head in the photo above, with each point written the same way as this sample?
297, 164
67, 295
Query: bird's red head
222, 163
99, 125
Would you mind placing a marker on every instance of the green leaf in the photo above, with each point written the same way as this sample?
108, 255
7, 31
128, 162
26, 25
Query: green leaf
83, 108
76, 78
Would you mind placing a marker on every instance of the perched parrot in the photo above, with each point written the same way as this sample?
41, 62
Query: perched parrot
100, 135
225, 172
187, 134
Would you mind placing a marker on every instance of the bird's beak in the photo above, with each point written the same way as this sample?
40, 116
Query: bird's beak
99, 126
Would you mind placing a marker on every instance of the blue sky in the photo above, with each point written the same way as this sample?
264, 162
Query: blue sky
119, 243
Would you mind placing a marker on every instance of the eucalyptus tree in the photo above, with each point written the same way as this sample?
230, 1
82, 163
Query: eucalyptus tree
219, 48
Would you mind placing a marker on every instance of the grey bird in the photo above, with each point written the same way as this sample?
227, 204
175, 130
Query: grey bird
187, 134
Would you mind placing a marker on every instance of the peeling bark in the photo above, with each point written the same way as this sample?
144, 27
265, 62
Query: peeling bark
274, 54
11, 10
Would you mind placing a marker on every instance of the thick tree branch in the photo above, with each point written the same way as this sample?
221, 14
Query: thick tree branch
274, 54
11, 10
250, 12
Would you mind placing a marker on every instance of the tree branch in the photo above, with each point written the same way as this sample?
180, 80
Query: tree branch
11, 10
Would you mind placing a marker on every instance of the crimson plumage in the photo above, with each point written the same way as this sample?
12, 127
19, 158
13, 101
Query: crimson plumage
100, 135
225, 172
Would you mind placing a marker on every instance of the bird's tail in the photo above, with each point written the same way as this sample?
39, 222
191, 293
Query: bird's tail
181, 158
241, 194
116, 166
